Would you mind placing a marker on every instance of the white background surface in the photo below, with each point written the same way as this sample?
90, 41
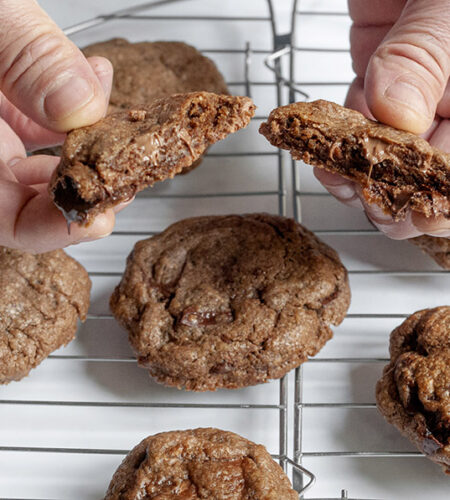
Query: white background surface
86, 476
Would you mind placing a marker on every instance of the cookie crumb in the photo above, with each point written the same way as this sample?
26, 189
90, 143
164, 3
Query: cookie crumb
137, 115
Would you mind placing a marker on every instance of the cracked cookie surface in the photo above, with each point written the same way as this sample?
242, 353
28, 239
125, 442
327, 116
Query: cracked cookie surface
395, 169
199, 464
230, 301
414, 392
145, 71
107, 163
42, 296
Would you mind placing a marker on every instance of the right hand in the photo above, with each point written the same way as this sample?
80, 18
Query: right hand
401, 57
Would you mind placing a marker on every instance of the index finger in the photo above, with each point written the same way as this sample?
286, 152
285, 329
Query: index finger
30, 221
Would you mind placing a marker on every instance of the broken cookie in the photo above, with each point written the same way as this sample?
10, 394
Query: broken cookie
107, 163
395, 169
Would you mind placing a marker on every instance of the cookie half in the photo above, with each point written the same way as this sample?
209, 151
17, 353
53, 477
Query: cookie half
42, 296
107, 163
414, 392
199, 464
146, 71
230, 301
395, 169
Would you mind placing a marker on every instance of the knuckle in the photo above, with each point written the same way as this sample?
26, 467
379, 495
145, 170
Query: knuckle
25, 59
427, 60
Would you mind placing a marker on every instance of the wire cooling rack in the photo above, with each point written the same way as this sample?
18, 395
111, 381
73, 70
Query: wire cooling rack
65, 429
67, 426
389, 281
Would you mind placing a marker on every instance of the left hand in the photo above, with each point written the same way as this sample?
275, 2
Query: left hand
401, 57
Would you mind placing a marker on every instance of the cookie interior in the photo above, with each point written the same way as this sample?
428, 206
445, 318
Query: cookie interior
395, 169
110, 161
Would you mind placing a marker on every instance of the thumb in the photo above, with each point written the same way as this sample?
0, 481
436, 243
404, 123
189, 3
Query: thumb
407, 75
43, 73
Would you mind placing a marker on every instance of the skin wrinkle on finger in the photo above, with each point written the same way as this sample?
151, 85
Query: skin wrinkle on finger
5, 173
440, 137
35, 56
32, 135
431, 224
47, 61
443, 107
400, 59
356, 99
363, 43
397, 230
35, 136
35, 169
415, 54
339, 187
11, 146
38, 61
19, 215
409, 51
103, 69
30, 221
13, 197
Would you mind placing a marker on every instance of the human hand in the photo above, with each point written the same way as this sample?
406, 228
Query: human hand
47, 88
401, 57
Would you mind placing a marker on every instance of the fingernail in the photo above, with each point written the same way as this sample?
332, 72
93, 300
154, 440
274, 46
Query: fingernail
94, 237
409, 95
68, 97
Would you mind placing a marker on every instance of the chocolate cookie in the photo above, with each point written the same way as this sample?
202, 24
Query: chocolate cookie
414, 392
396, 170
41, 298
110, 161
199, 464
437, 248
146, 71
229, 301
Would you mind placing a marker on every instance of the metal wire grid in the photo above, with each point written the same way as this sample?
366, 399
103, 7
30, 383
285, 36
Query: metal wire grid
140, 13
296, 92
